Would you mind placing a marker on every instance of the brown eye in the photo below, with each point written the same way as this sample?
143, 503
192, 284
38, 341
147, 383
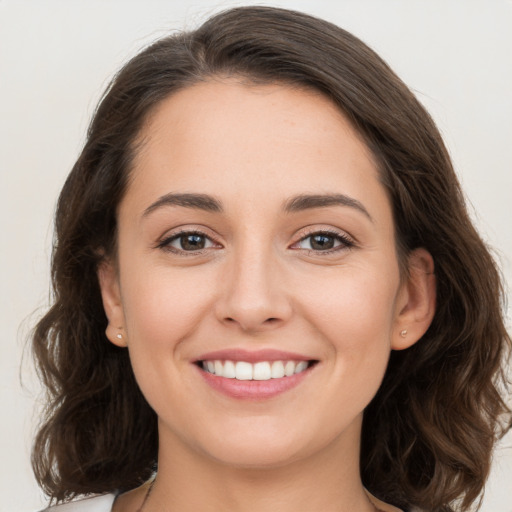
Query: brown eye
324, 242
187, 242
192, 242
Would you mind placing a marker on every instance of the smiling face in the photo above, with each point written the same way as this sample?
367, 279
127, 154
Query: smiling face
257, 282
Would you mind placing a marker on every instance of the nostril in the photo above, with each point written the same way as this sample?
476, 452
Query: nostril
252, 323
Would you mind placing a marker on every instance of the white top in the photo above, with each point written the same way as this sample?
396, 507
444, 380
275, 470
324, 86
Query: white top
102, 503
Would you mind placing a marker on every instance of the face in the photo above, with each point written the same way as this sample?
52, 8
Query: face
256, 285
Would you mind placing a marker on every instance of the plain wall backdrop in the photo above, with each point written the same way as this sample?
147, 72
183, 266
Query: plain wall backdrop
56, 57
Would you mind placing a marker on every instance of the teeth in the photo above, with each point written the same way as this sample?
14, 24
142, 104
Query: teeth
277, 371
289, 368
229, 370
301, 366
263, 370
243, 371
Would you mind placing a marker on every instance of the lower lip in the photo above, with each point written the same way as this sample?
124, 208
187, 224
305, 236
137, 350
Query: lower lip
253, 389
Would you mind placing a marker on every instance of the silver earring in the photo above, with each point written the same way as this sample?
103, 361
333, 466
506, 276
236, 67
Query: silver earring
119, 336
403, 333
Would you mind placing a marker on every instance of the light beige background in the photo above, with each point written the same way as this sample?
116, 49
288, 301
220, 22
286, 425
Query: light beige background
57, 56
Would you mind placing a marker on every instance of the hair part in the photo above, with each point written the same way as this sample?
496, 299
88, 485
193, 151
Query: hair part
429, 432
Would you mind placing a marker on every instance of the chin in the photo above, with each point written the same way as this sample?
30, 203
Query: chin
255, 456
266, 446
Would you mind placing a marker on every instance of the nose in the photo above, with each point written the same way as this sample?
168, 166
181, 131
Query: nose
254, 293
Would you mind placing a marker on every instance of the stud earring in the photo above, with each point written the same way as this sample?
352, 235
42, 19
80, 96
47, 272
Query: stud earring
119, 336
403, 333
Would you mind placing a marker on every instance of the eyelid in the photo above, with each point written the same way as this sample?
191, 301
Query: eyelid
164, 241
314, 229
347, 241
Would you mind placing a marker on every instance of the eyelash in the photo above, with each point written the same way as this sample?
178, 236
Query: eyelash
165, 244
345, 242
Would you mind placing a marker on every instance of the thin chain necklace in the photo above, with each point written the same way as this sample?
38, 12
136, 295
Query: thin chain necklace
146, 497
150, 488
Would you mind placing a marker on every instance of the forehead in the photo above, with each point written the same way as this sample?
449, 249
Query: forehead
235, 106
224, 135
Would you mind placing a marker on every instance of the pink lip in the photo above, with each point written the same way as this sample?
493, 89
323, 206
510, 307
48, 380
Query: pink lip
253, 389
252, 356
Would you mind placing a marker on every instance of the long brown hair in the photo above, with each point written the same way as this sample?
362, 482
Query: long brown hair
429, 432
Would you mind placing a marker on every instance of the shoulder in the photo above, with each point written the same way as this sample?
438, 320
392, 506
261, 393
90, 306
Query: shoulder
102, 503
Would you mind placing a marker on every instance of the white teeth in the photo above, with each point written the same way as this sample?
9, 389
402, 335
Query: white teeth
229, 370
277, 370
289, 368
301, 366
243, 371
263, 370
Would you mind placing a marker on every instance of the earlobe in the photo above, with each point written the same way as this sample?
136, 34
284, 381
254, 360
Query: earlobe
112, 304
416, 302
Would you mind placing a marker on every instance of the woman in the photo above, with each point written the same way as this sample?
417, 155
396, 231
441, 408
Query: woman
268, 292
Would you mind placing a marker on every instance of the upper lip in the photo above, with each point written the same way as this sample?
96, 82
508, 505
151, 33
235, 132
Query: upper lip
252, 356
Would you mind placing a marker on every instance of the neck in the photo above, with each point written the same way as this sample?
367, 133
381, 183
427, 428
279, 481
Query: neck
328, 480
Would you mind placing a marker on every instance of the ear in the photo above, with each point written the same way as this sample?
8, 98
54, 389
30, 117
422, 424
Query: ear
112, 304
416, 302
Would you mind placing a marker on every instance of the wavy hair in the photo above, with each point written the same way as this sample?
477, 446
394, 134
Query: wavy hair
429, 432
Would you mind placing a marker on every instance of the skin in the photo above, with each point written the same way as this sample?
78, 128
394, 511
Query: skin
258, 284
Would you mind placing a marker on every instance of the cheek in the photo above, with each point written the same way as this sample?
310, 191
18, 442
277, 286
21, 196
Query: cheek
354, 313
162, 306
353, 309
358, 300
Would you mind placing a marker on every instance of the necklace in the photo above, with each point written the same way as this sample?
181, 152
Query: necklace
150, 488
148, 493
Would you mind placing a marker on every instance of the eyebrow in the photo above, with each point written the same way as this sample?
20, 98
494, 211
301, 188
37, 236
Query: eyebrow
295, 204
311, 201
196, 201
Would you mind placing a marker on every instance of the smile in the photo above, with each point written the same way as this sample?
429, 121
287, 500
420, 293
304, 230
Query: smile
262, 370
254, 375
